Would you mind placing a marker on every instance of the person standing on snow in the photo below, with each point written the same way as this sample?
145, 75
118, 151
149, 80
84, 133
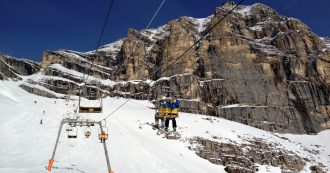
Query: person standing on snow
174, 105
162, 112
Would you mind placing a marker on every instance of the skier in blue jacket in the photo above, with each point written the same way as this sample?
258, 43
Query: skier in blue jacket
174, 105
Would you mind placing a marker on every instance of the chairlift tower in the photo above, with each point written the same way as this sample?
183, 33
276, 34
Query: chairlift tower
73, 123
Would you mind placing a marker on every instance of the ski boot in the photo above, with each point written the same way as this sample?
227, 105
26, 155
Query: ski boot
156, 126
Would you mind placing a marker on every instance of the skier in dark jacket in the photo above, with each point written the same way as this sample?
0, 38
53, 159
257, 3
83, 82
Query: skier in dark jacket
174, 105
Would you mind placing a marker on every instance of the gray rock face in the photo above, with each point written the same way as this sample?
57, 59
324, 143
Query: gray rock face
243, 158
37, 91
74, 61
256, 67
133, 89
11, 67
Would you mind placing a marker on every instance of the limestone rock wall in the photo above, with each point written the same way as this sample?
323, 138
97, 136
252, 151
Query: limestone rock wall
11, 67
256, 67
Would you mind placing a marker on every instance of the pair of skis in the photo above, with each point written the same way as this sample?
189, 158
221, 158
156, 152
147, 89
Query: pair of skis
169, 134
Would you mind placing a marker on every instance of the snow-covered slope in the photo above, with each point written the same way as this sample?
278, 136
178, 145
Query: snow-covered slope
112, 48
27, 145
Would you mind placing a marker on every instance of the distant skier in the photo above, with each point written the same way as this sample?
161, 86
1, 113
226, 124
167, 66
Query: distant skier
162, 111
44, 112
35, 101
40, 121
174, 105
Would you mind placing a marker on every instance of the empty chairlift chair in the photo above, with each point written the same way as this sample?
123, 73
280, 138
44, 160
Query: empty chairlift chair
73, 133
90, 100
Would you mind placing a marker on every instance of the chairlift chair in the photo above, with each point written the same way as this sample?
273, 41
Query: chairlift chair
73, 133
88, 132
92, 94
103, 134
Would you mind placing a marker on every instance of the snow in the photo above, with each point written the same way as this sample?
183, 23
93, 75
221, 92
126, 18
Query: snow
39, 77
265, 169
256, 28
156, 34
294, 19
326, 41
112, 47
244, 10
233, 106
20, 59
201, 23
152, 83
71, 55
81, 75
30, 145
266, 48
68, 71
240, 105
81, 57
26, 145
43, 89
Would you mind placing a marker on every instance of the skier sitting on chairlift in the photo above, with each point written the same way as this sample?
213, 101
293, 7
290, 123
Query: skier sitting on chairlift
162, 111
174, 105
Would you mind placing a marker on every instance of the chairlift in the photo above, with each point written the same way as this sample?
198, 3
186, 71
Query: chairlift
73, 133
68, 128
87, 132
93, 95
73, 124
103, 134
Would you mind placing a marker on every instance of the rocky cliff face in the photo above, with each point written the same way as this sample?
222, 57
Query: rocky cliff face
256, 67
11, 67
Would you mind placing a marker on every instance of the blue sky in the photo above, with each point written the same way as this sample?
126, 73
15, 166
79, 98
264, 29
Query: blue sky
31, 26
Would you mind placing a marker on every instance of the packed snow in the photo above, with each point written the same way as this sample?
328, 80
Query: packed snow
201, 23
26, 145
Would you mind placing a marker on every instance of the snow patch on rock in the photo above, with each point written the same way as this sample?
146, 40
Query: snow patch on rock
201, 23
112, 48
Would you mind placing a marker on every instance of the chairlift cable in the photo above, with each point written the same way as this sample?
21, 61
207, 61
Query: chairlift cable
100, 38
182, 55
150, 22
96, 49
